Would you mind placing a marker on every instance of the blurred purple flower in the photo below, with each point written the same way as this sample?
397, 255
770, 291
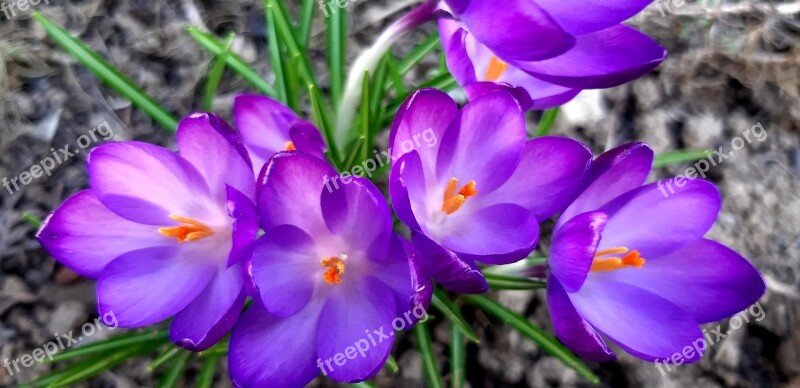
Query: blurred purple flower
328, 272
630, 262
480, 190
164, 233
544, 51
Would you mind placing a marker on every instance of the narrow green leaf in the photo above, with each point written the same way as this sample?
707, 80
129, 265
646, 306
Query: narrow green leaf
166, 356
418, 53
364, 118
32, 220
458, 356
678, 157
206, 377
425, 348
173, 375
547, 121
358, 145
293, 84
391, 365
453, 313
102, 364
507, 282
377, 95
306, 18
286, 34
118, 342
276, 54
237, 64
216, 74
337, 42
110, 75
396, 76
364, 384
536, 260
547, 342
322, 118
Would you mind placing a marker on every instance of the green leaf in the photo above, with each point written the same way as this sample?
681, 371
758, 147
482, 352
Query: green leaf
418, 53
547, 121
396, 77
526, 328
678, 157
458, 356
166, 356
391, 365
101, 364
453, 313
507, 282
216, 74
377, 95
118, 342
110, 75
364, 384
306, 18
173, 376
425, 348
337, 41
237, 64
286, 35
32, 220
364, 118
355, 151
323, 121
276, 55
206, 377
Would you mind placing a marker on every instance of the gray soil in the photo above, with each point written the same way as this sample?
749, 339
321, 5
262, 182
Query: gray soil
732, 66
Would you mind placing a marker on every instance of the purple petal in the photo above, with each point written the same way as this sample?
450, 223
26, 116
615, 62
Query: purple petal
407, 174
307, 138
85, 236
581, 17
266, 351
453, 273
573, 248
407, 275
212, 314
468, 153
602, 59
146, 183
149, 285
642, 323
285, 269
612, 174
245, 225
572, 329
531, 92
547, 178
454, 40
358, 214
705, 278
216, 150
534, 36
264, 124
353, 316
654, 224
290, 192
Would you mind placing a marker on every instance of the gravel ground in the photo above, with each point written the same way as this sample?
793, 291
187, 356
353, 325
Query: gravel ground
732, 66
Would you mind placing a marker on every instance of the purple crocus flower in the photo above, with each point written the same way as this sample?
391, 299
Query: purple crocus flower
478, 192
164, 233
629, 262
545, 51
329, 277
267, 126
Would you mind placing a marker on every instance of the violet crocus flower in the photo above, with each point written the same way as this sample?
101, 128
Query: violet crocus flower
267, 126
329, 278
545, 51
630, 262
479, 192
164, 233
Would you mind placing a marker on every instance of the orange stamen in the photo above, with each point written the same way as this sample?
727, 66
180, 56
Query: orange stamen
335, 270
452, 201
630, 259
191, 230
289, 146
495, 70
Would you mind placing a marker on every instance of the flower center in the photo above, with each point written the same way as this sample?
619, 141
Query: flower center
495, 70
604, 264
335, 269
191, 230
453, 201
289, 146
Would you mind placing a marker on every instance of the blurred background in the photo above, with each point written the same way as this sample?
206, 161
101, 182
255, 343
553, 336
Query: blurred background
734, 66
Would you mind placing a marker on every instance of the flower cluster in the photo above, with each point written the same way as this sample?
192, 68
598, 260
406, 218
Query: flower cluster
245, 213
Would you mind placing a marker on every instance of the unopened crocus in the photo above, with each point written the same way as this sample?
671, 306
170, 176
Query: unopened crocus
480, 191
330, 278
164, 233
630, 262
544, 51
267, 127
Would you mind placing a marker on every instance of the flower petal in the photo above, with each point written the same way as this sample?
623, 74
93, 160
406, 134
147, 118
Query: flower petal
573, 248
307, 138
149, 285
453, 38
146, 183
705, 278
581, 17
407, 175
571, 328
85, 236
406, 273
266, 351
453, 273
212, 314
245, 225
264, 124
